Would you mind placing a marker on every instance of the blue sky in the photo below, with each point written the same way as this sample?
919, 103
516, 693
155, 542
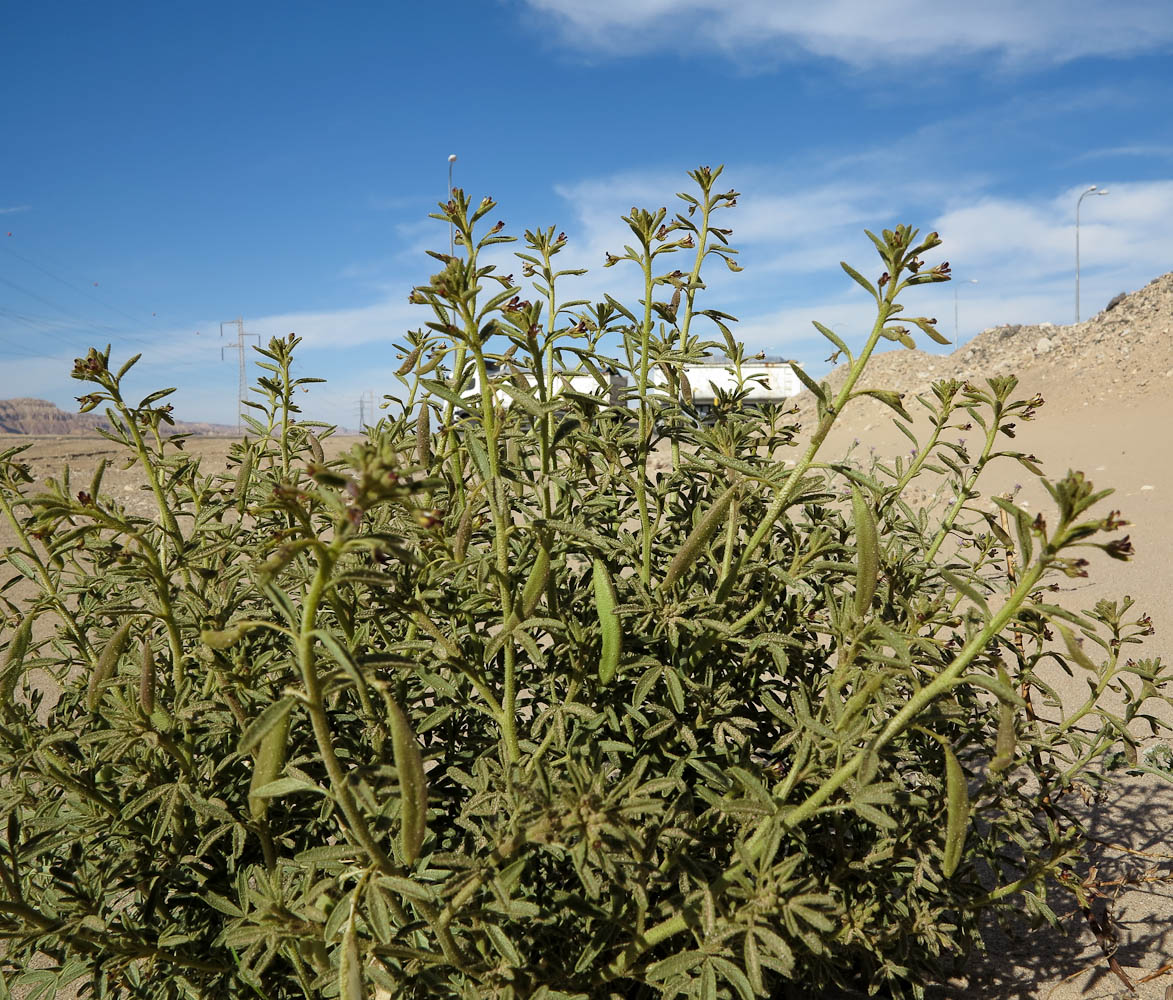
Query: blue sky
169, 166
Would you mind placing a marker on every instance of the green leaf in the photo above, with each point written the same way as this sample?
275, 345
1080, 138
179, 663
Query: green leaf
835, 339
260, 726
1075, 648
441, 389
675, 965
887, 397
809, 382
860, 280
733, 976
285, 786
966, 588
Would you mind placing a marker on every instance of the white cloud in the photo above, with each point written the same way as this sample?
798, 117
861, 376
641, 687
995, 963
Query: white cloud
866, 33
381, 322
1146, 151
15, 208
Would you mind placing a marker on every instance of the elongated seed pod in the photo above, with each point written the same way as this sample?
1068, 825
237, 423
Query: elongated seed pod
311, 438
409, 362
146, 681
867, 570
106, 664
350, 978
957, 812
431, 364
1007, 736
609, 624
413, 785
423, 437
464, 526
243, 477
268, 763
535, 585
699, 537
14, 660
1007, 739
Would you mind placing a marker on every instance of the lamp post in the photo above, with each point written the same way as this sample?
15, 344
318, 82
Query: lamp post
1091, 190
968, 281
451, 225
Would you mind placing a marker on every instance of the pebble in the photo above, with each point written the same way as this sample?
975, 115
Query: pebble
1147, 487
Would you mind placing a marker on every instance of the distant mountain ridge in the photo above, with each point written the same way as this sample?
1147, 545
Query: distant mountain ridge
40, 417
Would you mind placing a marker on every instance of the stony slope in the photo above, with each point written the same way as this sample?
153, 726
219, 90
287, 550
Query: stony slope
1120, 354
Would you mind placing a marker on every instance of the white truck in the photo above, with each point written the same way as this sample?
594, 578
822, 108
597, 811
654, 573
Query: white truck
769, 380
586, 384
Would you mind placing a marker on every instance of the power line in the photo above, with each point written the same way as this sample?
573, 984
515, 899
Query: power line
116, 334
69, 284
242, 393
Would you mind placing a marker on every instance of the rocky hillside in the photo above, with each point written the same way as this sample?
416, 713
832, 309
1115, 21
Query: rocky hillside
40, 417
1120, 354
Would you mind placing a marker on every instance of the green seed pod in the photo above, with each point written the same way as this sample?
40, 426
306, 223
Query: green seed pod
464, 527
423, 437
609, 624
409, 362
224, 638
106, 664
431, 364
957, 806
535, 585
957, 812
268, 763
1006, 741
146, 681
243, 478
316, 452
413, 785
867, 571
699, 537
350, 978
13, 661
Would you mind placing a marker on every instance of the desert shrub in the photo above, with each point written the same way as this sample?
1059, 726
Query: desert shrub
539, 694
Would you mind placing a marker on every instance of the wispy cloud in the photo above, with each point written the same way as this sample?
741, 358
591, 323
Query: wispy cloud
865, 33
1013, 256
12, 209
1153, 151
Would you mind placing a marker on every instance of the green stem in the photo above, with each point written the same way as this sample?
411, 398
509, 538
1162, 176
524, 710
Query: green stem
794, 480
645, 430
793, 817
48, 584
964, 495
321, 723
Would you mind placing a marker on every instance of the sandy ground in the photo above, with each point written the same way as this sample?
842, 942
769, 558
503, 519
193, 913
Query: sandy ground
1126, 443
1123, 442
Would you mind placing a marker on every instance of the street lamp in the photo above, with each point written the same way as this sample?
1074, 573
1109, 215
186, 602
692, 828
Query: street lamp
968, 281
1091, 190
451, 225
